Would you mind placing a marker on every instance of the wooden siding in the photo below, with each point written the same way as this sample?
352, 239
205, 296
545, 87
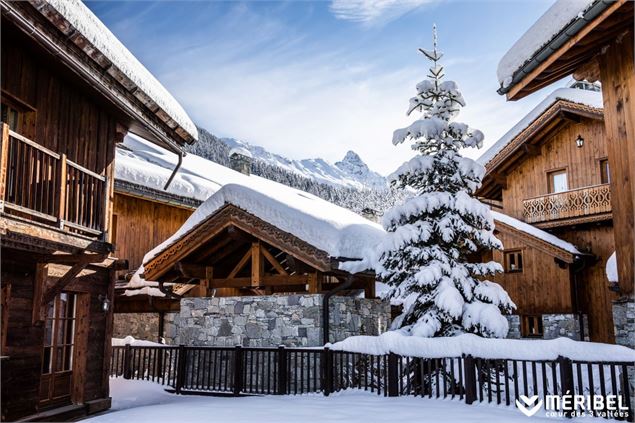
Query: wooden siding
142, 225
595, 299
529, 178
24, 341
543, 287
618, 90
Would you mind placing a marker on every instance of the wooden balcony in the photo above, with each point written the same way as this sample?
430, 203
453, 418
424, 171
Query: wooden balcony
40, 185
569, 205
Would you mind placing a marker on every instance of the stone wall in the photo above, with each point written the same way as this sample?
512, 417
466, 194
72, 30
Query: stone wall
138, 325
267, 321
624, 321
553, 325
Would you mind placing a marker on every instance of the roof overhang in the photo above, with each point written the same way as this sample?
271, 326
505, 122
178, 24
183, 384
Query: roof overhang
527, 143
225, 217
537, 243
39, 21
574, 47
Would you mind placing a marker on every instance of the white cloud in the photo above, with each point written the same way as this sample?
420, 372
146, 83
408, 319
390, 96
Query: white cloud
371, 12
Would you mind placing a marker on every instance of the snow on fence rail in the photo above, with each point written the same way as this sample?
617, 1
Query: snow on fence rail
283, 371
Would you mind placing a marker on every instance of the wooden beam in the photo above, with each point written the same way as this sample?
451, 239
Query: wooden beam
277, 280
243, 261
62, 282
315, 282
191, 270
256, 264
71, 259
4, 159
275, 263
39, 287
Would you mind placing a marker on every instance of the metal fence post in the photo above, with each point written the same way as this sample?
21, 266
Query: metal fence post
180, 369
282, 371
327, 371
127, 360
469, 370
566, 381
238, 370
393, 375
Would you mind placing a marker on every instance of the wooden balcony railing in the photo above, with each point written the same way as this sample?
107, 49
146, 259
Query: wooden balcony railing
569, 204
42, 185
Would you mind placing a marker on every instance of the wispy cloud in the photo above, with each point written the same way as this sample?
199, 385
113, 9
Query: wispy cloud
374, 12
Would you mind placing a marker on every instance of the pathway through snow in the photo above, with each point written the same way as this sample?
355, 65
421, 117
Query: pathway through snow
136, 401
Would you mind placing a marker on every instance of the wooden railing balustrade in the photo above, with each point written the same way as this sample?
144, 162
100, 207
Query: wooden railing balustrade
289, 371
39, 184
569, 204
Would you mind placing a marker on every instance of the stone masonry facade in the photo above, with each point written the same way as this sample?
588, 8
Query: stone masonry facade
269, 321
553, 325
138, 325
624, 322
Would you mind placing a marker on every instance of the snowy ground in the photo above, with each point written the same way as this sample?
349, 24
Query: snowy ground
137, 401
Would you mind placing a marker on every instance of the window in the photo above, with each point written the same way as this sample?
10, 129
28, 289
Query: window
513, 261
557, 181
531, 326
10, 116
605, 174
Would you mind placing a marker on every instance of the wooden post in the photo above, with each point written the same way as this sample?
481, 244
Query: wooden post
4, 161
315, 282
127, 362
238, 370
393, 375
469, 370
209, 276
256, 264
61, 197
327, 371
282, 371
369, 288
566, 381
180, 369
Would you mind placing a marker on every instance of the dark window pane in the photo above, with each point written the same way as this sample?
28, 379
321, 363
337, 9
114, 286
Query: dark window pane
46, 361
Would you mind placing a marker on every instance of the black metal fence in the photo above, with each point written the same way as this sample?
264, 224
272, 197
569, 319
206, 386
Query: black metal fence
283, 371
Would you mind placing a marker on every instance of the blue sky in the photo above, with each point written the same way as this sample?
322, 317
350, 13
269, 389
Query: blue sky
315, 79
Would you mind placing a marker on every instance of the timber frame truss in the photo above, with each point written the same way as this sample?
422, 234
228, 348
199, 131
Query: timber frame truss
233, 253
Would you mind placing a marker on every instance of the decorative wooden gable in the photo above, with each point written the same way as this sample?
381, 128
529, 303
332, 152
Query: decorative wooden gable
238, 253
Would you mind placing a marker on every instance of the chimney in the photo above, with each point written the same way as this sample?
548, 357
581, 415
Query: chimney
240, 160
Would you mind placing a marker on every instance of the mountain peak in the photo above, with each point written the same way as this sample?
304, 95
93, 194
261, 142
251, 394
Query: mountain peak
352, 156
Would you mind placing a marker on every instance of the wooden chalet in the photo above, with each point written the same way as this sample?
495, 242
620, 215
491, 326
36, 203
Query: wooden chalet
70, 92
551, 173
595, 45
230, 252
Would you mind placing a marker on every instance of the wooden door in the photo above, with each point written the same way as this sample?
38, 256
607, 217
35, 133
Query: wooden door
57, 358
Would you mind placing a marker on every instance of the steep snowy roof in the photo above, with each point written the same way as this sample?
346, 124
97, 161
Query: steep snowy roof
573, 95
97, 34
611, 268
333, 229
549, 26
535, 232
241, 151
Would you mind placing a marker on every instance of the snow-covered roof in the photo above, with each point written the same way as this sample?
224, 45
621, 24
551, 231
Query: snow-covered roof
241, 151
104, 41
535, 232
333, 229
611, 268
550, 25
573, 95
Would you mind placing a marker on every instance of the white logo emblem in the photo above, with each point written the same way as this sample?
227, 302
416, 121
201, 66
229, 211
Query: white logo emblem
527, 405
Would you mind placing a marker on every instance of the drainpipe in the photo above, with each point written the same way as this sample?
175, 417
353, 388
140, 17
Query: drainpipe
180, 154
578, 266
325, 306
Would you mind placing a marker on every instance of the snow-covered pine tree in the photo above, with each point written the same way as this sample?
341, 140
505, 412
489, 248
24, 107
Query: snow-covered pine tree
432, 235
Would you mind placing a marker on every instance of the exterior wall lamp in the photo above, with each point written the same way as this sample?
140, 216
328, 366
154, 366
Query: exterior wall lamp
105, 303
579, 142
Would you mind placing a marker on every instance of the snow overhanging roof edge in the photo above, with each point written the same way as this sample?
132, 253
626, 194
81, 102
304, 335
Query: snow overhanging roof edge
540, 55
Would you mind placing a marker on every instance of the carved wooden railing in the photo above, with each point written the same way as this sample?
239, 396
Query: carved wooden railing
569, 204
42, 185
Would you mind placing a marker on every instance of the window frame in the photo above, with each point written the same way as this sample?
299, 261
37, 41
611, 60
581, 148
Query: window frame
551, 185
516, 252
601, 162
537, 323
